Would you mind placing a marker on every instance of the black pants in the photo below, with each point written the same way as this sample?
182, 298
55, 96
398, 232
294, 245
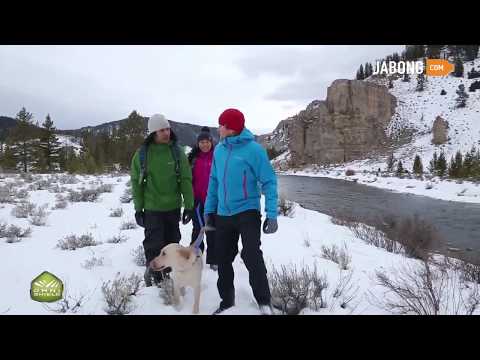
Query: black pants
246, 224
210, 235
161, 228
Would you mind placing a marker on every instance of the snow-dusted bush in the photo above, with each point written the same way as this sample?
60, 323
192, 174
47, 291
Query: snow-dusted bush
166, 291
294, 290
38, 216
67, 179
349, 172
285, 207
118, 212
337, 255
73, 242
128, 225
61, 202
117, 239
127, 196
105, 188
84, 195
15, 233
345, 290
7, 193
21, 194
139, 256
94, 261
23, 209
118, 294
68, 304
27, 177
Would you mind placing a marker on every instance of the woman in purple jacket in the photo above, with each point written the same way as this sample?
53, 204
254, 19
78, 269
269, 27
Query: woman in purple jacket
201, 158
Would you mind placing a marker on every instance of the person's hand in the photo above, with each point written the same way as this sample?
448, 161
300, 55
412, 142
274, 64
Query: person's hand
140, 218
270, 226
210, 222
187, 216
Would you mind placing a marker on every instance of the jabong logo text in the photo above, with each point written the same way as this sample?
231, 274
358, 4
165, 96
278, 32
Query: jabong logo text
434, 67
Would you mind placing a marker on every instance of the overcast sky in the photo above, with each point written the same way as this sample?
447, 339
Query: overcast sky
90, 85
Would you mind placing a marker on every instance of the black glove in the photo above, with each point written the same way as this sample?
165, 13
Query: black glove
187, 216
140, 218
270, 226
210, 222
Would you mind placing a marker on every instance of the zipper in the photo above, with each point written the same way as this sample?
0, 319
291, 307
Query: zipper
245, 194
225, 179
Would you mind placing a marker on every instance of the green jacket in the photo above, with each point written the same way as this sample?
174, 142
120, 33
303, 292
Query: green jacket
161, 191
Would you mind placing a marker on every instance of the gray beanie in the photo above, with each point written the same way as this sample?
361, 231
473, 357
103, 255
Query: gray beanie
157, 122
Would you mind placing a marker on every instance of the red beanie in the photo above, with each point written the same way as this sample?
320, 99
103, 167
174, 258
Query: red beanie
232, 119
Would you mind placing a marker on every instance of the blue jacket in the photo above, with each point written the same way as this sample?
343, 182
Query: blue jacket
240, 172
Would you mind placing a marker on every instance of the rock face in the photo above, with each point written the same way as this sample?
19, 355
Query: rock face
440, 131
346, 126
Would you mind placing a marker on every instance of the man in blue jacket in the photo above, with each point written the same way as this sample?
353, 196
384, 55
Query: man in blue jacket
240, 172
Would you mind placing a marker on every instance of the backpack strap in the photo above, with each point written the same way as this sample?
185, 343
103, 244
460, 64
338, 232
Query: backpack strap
176, 157
142, 154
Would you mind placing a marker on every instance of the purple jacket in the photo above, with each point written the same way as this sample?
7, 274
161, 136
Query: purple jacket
201, 175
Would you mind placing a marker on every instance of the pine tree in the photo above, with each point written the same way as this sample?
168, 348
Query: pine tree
406, 78
433, 163
470, 52
48, 148
21, 138
458, 72
133, 132
468, 162
390, 163
420, 82
433, 51
461, 100
390, 84
441, 164
443, 92
360, 74
455, 169
8, 158
400, 168
418, 166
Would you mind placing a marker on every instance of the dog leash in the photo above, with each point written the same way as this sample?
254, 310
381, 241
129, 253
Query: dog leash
199, 239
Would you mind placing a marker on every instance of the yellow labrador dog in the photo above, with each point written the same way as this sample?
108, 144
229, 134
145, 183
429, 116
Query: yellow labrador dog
186, 267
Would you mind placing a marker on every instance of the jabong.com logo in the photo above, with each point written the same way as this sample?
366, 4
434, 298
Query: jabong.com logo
46, 288
431, 67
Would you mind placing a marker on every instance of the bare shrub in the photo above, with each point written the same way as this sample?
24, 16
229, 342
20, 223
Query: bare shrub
127, 196
38, 216
294, 290
68, 179
166, 291
84, 195
15, 233
69, 304
118, 212
376, 238
93, 262
345, 290
117, 239
285, 207
139, 256
7, 194
343, 217
105, 188
27, 177
349, 172
21, 194
306, 240
428, 289
128, 225
129, 184
339, 256
23, 210
73, 242
118, 294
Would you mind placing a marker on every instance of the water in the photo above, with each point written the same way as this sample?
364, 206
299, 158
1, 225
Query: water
458, 223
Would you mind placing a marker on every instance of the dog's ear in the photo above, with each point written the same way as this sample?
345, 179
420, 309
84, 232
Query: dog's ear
185, 253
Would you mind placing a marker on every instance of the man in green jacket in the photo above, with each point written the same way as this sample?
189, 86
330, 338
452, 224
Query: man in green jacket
160, 175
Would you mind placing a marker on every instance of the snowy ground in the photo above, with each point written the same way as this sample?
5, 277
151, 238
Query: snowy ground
21, 262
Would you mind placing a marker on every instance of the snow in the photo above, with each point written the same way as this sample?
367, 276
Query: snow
21, 262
